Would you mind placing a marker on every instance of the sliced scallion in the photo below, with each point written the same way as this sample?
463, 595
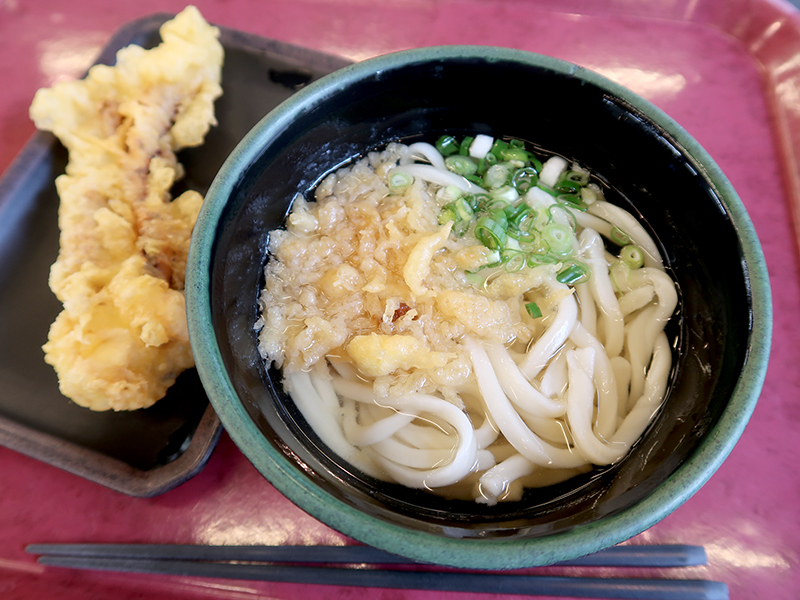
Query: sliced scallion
447, 145
515, 212
559, 213
449, 193
632, 256
579, 177
463, 148
499, 215
514, 260
448, 214
573, 273
399, 182
485, 163
518, 234
558, 238
463, 209
524, 179
479, 201
536, 259
533, 310
490, 232
619, 237
497, 147
566, 186
506, 193
509, 154
573, 201
497, 176
461, 165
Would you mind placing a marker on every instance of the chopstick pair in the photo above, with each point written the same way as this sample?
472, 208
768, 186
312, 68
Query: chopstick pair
248, 563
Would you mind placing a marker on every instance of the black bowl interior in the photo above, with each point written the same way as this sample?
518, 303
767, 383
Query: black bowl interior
647, 172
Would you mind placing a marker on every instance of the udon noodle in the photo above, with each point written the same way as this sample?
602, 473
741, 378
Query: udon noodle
463, 318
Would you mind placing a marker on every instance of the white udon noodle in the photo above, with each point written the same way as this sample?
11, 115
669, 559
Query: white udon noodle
581, 395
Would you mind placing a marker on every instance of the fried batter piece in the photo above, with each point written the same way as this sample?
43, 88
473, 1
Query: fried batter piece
122, 338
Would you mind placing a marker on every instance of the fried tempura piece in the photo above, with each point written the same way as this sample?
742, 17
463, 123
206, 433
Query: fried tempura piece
121, 339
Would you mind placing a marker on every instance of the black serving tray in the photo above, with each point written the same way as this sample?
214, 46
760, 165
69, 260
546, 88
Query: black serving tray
146, 452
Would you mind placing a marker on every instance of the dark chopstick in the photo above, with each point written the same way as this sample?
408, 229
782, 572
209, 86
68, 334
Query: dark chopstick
668, 555
583, 587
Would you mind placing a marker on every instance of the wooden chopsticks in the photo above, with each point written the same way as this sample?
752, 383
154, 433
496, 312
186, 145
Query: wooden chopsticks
268, 563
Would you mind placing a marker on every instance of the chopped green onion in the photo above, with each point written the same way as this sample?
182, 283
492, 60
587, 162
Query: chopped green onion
522, 235
513, 260
506, 192
574, 273
573, 201
449, 193
463, 148
399, 181
519, 236
497, 147
447, 214
522, 225
524, 179
497, 176
632, 256
463, 209
515, 212
472, 201
509, 154
490, 233
558, 238
499, 215
476, 179
619, 237
534, 260
542, 217
461, 165
533, 310
579, 177
447, 145
480, 201
485, 163
566, 186
556, 212
496, 204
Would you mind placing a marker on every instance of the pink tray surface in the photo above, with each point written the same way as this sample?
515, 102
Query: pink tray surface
727, 70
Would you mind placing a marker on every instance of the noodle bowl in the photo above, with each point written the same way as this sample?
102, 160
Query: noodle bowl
719, 338
468, 321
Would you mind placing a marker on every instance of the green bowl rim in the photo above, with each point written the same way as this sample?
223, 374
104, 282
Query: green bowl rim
468, 553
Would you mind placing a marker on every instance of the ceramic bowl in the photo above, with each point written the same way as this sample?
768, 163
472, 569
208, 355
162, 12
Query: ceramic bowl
654, 168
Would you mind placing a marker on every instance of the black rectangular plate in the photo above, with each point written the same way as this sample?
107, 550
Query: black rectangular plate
146, 452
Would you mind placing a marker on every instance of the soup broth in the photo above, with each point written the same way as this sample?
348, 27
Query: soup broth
464, 317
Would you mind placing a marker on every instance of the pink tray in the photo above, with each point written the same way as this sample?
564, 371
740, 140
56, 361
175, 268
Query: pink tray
727, 70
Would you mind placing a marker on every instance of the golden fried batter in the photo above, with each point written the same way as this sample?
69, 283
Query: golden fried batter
122, 338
